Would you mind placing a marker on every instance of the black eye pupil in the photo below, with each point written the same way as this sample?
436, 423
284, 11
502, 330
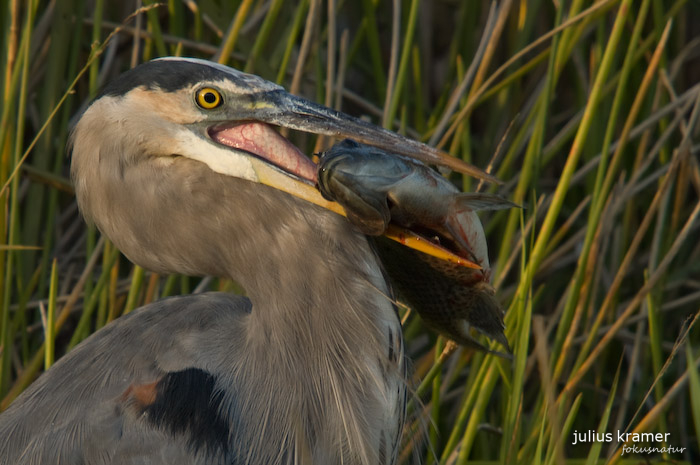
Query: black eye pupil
209, 97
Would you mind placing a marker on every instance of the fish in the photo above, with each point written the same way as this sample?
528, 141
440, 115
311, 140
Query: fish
376, 189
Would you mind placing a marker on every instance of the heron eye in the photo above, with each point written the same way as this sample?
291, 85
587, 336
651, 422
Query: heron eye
208, 98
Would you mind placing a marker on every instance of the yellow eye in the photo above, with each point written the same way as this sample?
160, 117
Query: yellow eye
208, 98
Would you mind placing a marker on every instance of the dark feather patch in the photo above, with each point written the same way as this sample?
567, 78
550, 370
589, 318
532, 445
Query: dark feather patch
168, 76
392, 355
187, 403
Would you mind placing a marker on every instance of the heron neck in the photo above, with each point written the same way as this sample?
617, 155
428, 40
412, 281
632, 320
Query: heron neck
324, 337
319, 282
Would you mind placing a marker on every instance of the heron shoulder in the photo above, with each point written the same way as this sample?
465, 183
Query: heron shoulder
123, 387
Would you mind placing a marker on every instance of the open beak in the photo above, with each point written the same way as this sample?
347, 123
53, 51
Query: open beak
276, 158
280, 108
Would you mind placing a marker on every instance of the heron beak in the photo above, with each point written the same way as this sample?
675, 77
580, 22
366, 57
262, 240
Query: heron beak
279, 164
281, 108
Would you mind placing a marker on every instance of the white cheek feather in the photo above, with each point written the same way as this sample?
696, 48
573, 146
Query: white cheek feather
220, 160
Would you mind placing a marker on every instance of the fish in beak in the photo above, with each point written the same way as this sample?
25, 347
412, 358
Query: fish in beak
379, 189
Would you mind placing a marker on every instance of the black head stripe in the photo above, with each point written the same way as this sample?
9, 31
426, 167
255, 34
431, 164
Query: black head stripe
166, 75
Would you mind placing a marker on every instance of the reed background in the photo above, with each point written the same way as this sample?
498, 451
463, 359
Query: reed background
588, 111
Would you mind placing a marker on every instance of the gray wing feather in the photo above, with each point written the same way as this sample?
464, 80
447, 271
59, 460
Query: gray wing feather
46, 424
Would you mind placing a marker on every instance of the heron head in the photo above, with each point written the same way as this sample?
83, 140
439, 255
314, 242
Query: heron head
151, 117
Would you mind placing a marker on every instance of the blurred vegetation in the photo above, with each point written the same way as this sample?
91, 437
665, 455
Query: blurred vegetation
588, 111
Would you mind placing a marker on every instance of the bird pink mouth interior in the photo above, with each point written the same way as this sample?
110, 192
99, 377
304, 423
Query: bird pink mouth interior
262, 140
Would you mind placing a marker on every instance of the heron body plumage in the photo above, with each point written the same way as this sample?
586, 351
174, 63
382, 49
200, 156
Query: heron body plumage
126, 413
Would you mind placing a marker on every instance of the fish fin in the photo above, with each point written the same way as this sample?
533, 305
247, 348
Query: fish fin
463, 337
482, 201
457, 226
372, 226
464, 225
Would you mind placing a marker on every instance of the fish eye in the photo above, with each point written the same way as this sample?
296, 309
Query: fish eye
208, 98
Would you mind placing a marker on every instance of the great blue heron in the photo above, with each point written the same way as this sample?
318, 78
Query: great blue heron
175, 163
